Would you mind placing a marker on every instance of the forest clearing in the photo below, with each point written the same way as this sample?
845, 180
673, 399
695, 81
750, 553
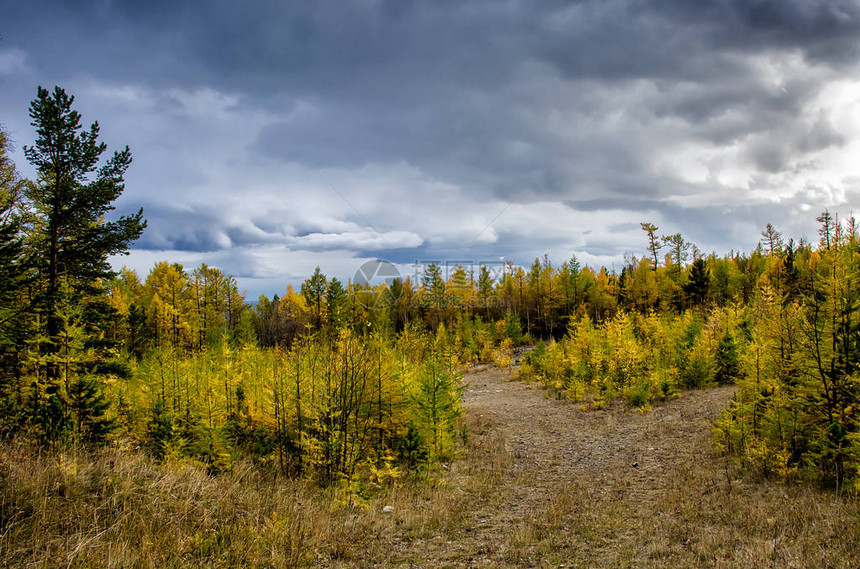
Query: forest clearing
542, 484
466, 344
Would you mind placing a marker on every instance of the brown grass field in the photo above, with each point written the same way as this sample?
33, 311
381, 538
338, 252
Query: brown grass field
541, 483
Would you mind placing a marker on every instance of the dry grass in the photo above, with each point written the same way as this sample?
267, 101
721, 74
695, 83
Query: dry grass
704, 519
118, 509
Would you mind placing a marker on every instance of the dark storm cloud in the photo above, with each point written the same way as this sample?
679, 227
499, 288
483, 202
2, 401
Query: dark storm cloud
198, 230
431, 83
488, 130
411, 53
589, 105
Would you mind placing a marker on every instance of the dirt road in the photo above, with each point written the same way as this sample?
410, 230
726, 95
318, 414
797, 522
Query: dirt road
573, 484
555, 442
546, 484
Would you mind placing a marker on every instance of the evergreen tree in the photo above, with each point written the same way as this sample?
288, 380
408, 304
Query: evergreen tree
11, 188
69, 236
89, 405
411, 446
15, 320
433, 283
52, 417
335, 301
790, 272
396, 301
513, 328
313, 289
160, 430
485, 288
697, 286
433, 286
726, 360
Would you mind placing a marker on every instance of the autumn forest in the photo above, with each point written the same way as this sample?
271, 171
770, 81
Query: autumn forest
350, 389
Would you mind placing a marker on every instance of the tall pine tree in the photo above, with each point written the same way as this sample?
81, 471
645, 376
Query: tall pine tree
69, 236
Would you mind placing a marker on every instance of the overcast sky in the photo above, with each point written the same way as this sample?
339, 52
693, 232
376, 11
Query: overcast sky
271, 136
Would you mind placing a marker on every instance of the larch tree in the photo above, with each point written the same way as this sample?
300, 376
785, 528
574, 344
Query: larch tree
772, 239
654, 244
826, 230
170, 305
679, 248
